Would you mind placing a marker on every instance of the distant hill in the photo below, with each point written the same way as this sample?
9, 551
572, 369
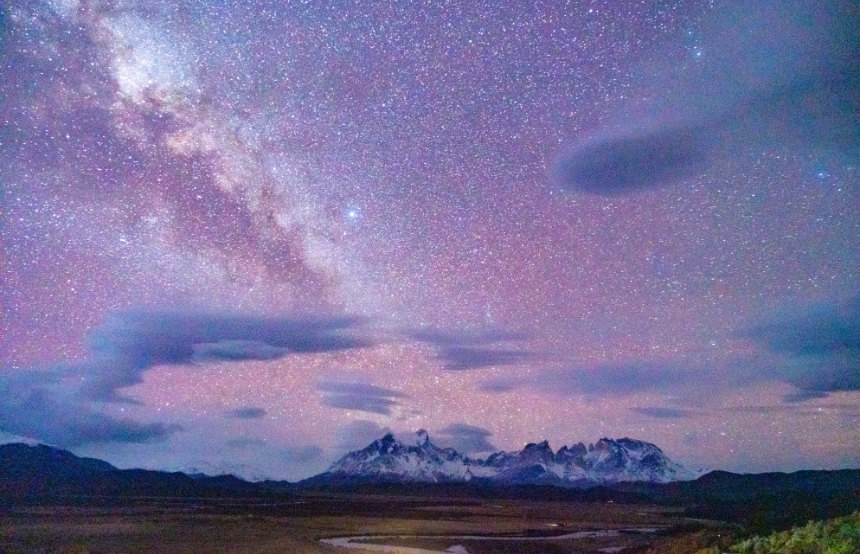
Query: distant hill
762, 501
39, 472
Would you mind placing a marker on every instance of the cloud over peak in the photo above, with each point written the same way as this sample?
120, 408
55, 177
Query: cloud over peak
465, 438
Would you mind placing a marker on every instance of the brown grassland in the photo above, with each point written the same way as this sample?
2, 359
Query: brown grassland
296, 525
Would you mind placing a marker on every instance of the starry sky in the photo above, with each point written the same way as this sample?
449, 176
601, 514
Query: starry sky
249, 236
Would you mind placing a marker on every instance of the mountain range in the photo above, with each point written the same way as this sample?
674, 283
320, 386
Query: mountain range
608, 461
40, 470
630, 471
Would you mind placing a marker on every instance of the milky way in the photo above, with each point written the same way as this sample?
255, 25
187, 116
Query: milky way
248, 236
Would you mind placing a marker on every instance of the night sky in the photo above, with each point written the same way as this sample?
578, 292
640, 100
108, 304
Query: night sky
251, 236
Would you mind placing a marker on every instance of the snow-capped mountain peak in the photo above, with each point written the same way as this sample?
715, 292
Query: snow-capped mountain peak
419, 460
614, 460
388, 459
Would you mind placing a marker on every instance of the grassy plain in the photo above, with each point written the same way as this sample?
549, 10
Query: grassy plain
296, 525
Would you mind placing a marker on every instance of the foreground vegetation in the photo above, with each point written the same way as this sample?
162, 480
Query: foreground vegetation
835, 536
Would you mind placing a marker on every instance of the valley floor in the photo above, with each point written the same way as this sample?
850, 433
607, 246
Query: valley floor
300, 524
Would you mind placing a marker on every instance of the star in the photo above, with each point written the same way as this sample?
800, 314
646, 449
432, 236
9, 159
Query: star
352, 214
528, 222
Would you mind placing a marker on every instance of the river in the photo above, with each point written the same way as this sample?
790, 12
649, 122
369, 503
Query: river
354, 542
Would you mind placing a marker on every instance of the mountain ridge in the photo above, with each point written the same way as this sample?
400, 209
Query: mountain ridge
607, 461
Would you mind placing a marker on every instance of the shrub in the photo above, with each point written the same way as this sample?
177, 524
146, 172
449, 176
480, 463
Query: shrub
835, 536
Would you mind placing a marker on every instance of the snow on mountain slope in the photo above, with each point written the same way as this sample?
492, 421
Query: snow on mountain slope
612, 461
390, 459
605, 462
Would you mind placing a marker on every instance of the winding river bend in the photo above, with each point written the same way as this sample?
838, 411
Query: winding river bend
355, 542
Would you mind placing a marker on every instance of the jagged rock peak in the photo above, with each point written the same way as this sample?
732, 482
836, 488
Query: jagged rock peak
423, 437
417, 459
577, 449
634, 443
387, 439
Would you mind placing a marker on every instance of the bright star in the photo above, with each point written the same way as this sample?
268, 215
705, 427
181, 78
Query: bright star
352, 214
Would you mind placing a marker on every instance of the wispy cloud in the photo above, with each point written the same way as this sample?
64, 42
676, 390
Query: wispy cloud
60, 404
636, 160
359, 396
607, 379
465, 337
43, 406
360, 433
461, 358
771, 72
661, 412
460, 350
465, 438
129, 343
816, 348
249, 412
